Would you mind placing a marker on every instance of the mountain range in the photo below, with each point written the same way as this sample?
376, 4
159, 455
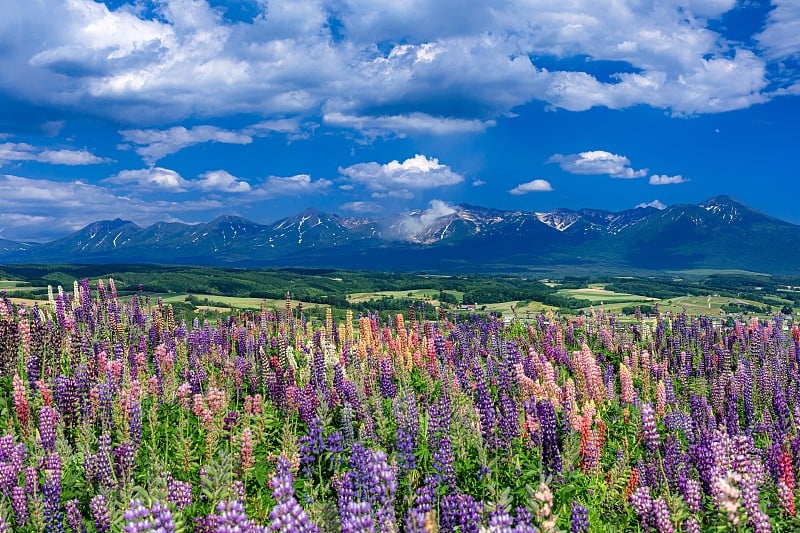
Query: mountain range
720, 233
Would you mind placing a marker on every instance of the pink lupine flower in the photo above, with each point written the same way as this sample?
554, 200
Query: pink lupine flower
21, 403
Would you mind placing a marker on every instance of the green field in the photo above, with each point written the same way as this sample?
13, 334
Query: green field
417, 294
596, 293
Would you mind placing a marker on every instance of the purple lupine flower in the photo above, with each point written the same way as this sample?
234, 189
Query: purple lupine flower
691, 525
459, 511
102, 519
74, 518
135, 425
311, 447
485, 405
179, 493
524, 521
661, 516
356, 517
444, 463
551, 455
690, 489
287, 516
651, 438
47, 428
3, 525
500, 521
642, 503
387, 386
51, 492
19, 503
579, 518
124, 461
231, 518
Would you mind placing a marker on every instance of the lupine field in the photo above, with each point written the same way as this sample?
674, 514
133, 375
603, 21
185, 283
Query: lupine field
120, 416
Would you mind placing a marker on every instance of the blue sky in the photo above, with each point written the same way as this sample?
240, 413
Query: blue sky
189, 109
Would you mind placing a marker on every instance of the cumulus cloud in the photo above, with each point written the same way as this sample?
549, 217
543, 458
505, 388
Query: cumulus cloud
531, 186
395, 179
478, 183
663, 179
27, 152
222, 181
437, 67
411, 225
153, 145
42, 209
151, 179
655, 203
597, 162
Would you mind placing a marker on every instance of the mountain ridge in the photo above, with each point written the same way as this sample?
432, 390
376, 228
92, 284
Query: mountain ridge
720, 232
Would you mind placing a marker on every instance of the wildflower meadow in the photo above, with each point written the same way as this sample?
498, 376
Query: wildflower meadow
118, 415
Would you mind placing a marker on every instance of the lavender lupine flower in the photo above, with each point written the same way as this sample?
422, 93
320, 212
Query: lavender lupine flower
287, 516
3, 525
102, 519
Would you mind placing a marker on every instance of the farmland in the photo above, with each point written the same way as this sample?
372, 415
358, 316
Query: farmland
138, 411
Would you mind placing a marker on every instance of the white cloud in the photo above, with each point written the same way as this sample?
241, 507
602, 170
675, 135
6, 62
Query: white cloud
411, 225
663, 179
597, 162
299, 185
153, 145
28, 152
362, 207
222, 181
781, 36
41, 209
402, 125
418, 66
395, 179
478, 183
149, 179
655, 203
532, 186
